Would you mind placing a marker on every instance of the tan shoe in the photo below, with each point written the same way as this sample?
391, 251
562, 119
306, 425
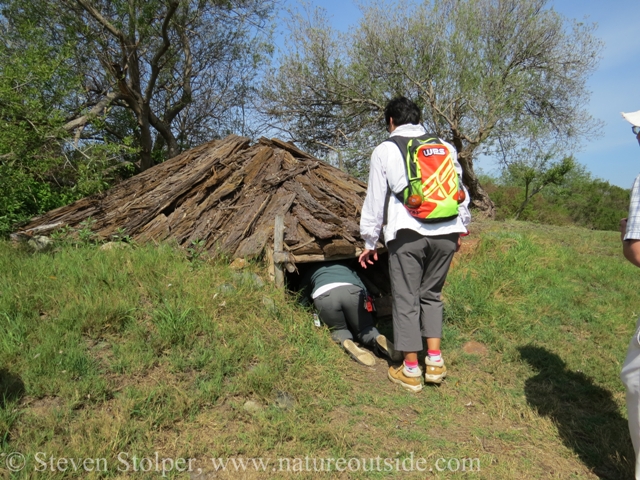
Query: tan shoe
434, 371
410, 382
359, 355
385, 347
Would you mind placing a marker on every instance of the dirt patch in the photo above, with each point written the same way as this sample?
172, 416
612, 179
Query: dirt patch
42, 407
475, 348
469, 245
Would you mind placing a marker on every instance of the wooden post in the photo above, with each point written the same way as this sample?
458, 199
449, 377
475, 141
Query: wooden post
278, 242
271, 266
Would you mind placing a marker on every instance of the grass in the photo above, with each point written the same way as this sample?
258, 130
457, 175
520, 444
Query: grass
119, 354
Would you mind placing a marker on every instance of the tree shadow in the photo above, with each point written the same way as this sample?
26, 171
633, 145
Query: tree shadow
587, 418
11, 388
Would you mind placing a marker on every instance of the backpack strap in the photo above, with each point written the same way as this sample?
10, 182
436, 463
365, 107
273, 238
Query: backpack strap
387, 196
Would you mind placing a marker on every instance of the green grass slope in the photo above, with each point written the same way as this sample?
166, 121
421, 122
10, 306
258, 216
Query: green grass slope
140, 362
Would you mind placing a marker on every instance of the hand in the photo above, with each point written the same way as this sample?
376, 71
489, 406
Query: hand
459, 244
365, 257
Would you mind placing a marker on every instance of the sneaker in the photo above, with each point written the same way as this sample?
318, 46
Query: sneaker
361, 356
434, 371
385, 347
409, 381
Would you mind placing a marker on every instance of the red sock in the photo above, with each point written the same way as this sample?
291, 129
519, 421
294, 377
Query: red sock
434, 355
411, 364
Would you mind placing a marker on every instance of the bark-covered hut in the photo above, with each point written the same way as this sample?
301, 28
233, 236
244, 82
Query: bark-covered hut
226, 195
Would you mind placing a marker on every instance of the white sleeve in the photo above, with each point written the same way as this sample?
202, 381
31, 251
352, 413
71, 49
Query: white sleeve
463, 208
373, 207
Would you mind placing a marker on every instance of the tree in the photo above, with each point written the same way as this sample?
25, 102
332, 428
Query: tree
37, 171
170, 72
537, 174
481, 70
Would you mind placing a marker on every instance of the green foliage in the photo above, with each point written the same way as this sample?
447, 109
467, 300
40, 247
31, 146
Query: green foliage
593, 203
92, 326
122, 236
85, 233
33, 80
196, 251
579, 199
558, 292
41, 167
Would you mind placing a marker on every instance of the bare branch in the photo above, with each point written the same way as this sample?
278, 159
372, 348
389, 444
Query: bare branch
91, 10
155, 69
185, 99
93, 113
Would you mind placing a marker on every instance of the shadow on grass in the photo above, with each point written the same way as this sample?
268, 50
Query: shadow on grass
11, 391
587, 418
11, 388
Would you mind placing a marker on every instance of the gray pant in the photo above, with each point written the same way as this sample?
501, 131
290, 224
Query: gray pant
342, 310
418, 268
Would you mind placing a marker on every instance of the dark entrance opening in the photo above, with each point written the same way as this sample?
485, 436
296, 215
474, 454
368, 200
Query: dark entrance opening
375, 278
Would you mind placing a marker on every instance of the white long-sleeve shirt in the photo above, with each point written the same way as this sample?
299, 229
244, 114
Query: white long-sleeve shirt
387, 168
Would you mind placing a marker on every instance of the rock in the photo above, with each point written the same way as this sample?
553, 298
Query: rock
257, 280
475, 348
238, 264
40, 243
270, 303
284, 400
248, 278
114, 245
252, 406
226, 288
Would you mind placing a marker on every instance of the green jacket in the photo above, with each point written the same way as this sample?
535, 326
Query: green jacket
326, 273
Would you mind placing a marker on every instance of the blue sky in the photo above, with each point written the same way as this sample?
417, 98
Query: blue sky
614, 155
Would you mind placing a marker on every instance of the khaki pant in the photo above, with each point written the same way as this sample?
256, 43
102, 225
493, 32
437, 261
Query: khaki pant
630, 376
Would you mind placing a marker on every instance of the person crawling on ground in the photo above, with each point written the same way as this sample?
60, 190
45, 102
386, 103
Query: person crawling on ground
340, 298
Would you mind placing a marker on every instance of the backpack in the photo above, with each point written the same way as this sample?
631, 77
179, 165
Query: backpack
434, 189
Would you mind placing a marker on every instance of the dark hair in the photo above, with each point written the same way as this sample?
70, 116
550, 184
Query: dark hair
403, 111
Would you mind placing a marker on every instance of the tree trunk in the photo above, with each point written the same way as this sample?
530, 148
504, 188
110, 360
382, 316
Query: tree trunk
168, 139
479, 197
523, 205
146, 140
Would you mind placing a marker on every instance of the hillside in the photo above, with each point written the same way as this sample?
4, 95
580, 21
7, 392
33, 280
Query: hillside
128, 360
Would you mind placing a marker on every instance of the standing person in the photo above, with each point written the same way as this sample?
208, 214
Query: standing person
630, 236
419, 253
341, 300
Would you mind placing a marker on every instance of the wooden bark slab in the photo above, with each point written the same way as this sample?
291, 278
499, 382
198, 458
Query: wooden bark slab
314, 226
339, 247
227, 193
291, 236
